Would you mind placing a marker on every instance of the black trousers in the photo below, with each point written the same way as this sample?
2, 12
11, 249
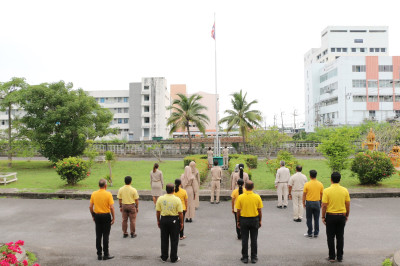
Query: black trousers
181, 234
103, 228
239, 234
249, 225
335, 228
170, 228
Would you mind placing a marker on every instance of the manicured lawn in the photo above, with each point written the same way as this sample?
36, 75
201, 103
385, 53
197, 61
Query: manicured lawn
40, 176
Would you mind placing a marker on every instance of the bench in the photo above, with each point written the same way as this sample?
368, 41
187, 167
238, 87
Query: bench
100, 159
6, 178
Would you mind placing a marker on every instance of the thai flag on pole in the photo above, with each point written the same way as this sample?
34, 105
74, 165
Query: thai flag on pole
213, 31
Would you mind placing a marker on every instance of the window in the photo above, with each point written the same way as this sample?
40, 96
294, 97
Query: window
330, 74
358, 40
329, 88
332, 50
344, 50
146, 120
146, 109
353, 50
146, 87
125, 99
329, 102
338, 30
383, 50
397, 113
325, 52
371, 50
385, 83
385, 68
376, 50
339, 50
318, 56
119, 120
396, 83
146, 98
362, 50
3, 123
372, 98
359, 98
119, 99
333, 115
337, 57
358, 30
102, 100
372, 114
386, 98
119, 110
358, 68
146, 132
359, 83
126, 120
126, 110
372, 84
397, 98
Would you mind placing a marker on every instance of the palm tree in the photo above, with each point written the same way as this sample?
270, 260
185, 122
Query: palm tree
187, 110
241, 115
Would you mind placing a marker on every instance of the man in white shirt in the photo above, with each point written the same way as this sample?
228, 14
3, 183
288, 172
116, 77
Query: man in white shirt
296, 186
281, 184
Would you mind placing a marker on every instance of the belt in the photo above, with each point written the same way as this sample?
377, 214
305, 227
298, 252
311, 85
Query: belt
341, 214
282, 182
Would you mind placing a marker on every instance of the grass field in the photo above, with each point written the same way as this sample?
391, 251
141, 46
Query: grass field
39, 176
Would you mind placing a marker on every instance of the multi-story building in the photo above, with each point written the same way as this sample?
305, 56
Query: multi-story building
351, 78
208, 100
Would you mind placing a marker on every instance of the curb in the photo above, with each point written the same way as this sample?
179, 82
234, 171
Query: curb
396, 258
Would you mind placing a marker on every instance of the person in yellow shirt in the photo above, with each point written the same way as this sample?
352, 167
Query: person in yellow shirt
249, 218
128, 206
101, 205
169, 213
181, 193
235, 194
312, 195
335, 213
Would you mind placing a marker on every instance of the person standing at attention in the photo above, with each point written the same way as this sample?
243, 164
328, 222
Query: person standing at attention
312, 195
249, 216
169, 213
156, 182
239, 175
335, 213
233, 177
187, 180
101, 205
216, 177
196, 183
182, 195
225, 154
281, 184
210, 157
296, 186
129, 206
235, 194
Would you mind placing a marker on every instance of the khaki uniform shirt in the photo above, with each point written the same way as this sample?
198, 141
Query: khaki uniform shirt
297, 181
225, 152
216, 173
282, 175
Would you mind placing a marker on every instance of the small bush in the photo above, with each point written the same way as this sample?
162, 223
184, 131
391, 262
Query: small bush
290, 162
234, 162
72, 170
250, 160
201, 164
387, 262
372, 167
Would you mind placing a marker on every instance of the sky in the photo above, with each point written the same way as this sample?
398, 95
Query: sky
105, 45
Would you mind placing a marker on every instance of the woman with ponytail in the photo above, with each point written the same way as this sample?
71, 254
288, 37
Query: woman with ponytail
235, 194
181, 193
239, 175
196, 183
156, 183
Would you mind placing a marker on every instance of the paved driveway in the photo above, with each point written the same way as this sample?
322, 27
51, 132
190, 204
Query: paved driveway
61, 232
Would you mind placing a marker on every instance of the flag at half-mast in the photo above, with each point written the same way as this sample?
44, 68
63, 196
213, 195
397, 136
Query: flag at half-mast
213, 31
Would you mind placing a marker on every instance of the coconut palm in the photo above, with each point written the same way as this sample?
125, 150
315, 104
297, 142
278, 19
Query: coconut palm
186, 111
241, 116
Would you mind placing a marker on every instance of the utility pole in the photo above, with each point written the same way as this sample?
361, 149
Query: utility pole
274, 120
265, 123
282, 121
294, 119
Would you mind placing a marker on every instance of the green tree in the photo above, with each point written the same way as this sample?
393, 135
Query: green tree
268, 140
241, 115
110, 159
187, 111
59, 118
9, 96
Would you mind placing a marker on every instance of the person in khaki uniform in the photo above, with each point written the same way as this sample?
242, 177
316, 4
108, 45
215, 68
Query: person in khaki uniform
296, 186
129, 206
239, 175
216, 176
210, 157
225, 155
187, 179
281, 184
196, 183
156, 183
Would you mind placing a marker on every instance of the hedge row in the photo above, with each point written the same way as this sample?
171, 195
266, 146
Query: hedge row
234, 162
250, 160
201, 164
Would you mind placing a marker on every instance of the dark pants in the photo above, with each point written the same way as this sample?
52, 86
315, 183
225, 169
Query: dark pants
335, 228
103, 227
239, 234
249, 225
181, 234
170, 228
313, 209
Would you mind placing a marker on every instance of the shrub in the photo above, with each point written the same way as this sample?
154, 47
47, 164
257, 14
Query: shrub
201, 164
72, 169
250, 160
290, 162
387, 262
8, 251
90, 152
372, 167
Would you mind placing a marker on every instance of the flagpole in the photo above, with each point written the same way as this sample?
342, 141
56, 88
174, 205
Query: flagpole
217, 153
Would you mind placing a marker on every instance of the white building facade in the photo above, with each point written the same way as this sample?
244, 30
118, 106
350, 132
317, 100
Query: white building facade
351, 78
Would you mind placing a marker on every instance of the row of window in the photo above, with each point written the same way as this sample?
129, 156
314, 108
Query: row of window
383, 83
374, 98
329, 102
121, 121
382, 68
326, 76
329, 88
353, 50
121, 110
112, 100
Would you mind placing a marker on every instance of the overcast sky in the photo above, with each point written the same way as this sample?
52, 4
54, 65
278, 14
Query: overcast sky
104, 45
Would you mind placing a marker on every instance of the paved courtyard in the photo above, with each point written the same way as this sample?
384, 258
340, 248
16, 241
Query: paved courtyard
61, 232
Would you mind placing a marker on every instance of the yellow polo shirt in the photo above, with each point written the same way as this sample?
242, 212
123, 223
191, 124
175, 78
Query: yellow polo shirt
127, 194
235, 195
335, 197
314, 189
102, 201
182, 195
248, 203
169, 205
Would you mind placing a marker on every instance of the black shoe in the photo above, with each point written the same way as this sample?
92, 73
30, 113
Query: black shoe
187, 220
212, 202
308, 236
125, 235
133, 235
190, 220
330, 260
279, 207
99, 257
245, 260
340, 260
298, 220
315, 236
239, 237
285, 207
108, 257
217, 202
254, 260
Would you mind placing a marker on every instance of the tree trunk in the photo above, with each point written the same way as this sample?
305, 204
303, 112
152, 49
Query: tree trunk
190, 139
244, 140
109, 168
9, 137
